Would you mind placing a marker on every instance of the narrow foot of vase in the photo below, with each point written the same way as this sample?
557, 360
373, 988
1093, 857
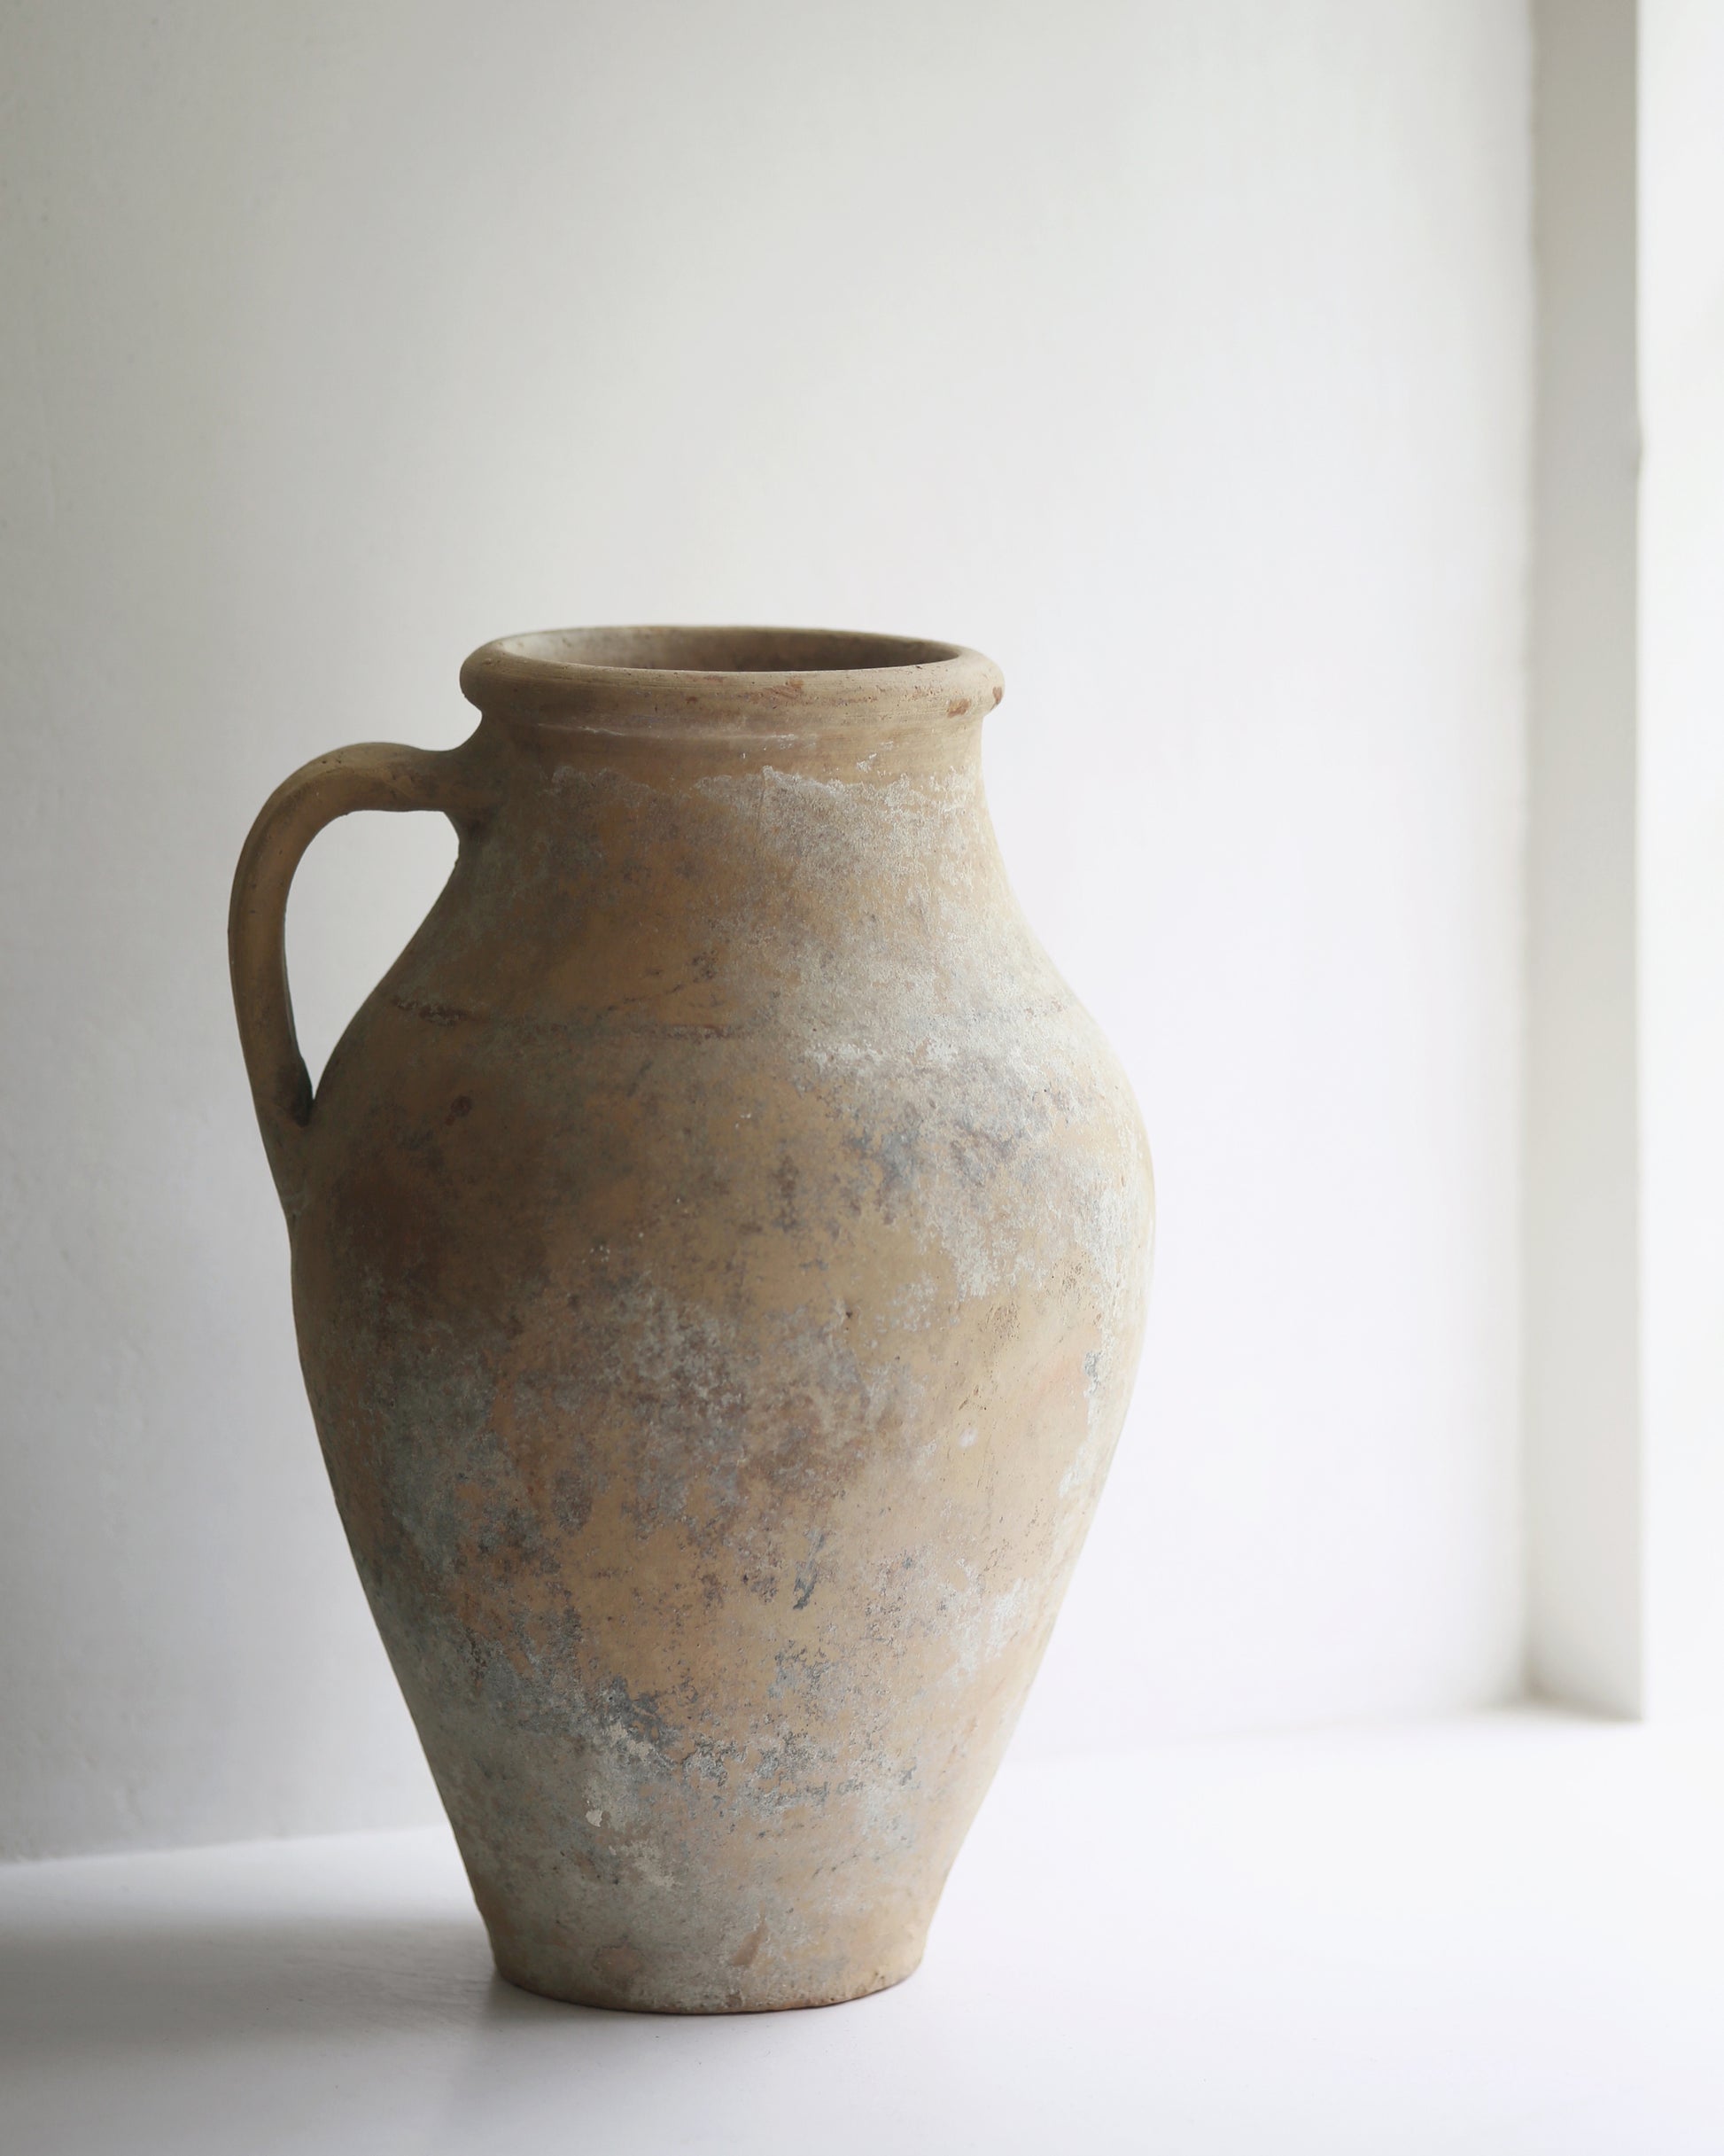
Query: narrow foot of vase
630, 1992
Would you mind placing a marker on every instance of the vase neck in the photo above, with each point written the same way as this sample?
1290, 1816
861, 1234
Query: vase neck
768, 686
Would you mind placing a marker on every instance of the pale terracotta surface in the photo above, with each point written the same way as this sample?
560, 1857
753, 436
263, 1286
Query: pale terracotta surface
720, 1250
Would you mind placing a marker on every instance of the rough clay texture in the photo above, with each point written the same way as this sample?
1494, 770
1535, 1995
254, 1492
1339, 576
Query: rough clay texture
720, 1250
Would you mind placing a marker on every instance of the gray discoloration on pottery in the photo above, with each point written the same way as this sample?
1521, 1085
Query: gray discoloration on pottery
720, 1249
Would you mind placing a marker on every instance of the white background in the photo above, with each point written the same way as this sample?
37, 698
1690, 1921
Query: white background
1680, 918
1175, 353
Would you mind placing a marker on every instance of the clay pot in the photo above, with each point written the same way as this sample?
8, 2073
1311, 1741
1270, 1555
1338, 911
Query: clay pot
720, 1250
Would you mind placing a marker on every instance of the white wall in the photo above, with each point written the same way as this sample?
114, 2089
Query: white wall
1177, 354
1581, 1364
1681, 847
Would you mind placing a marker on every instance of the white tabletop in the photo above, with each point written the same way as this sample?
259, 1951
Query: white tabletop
1499, 1934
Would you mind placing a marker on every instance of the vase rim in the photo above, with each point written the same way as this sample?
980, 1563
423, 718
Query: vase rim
781, 680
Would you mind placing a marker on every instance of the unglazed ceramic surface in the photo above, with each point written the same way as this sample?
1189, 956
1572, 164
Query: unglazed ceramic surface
719, 1251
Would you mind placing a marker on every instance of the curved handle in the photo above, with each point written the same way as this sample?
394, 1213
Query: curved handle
374, 774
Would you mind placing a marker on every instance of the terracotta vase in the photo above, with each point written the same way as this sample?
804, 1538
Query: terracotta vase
719, 1249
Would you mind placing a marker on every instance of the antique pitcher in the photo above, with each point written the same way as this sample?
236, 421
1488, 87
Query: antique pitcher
719, 1248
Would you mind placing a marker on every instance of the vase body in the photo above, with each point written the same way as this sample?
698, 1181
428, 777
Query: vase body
720, 1249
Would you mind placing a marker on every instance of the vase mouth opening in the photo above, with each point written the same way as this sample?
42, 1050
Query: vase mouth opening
761, 679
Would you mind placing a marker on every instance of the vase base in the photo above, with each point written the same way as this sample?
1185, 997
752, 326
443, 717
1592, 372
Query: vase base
636, 1997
